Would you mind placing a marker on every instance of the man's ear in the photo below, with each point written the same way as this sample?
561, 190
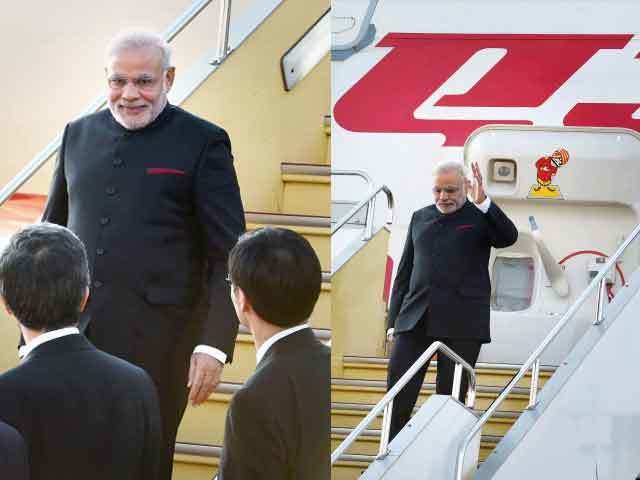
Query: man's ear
169, 77
244, 305
85, 299
6, 307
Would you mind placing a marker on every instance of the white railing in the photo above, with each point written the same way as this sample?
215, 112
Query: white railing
533, 362
386, 403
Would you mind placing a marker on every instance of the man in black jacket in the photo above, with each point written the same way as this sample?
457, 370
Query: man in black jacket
152, 192
442, 288
278, 422
13, 454
82, 413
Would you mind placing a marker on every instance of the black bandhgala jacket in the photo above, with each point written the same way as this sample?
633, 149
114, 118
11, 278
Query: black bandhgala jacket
444, 268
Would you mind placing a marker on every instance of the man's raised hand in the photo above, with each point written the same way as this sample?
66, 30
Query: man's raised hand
476, 190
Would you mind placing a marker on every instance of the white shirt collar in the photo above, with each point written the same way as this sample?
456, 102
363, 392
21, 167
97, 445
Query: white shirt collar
25, 350
274, 338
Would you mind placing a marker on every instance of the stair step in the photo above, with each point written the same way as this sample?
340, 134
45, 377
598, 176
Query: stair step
306, 193
349, 415
288, 221
375, 368
321, 316
195, 462
371, 391
289, 168
350, 467
369, 442
204, 424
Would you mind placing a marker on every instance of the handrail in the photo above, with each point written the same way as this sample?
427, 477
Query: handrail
354, 173
223, 31
170, 33
369, 199
534, 357
368, 223
391, 394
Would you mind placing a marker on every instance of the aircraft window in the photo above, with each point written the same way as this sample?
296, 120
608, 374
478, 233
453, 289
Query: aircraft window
513, 280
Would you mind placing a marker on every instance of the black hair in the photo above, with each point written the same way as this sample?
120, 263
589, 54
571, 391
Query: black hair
44, 274
279, 272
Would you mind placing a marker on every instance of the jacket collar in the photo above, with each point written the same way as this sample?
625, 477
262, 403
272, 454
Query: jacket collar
300, 340
69, 343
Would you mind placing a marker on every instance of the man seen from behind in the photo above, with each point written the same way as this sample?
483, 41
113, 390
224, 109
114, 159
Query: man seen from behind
278, 423
83, 413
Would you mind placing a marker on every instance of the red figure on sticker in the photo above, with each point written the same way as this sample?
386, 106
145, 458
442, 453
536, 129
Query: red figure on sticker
548, 167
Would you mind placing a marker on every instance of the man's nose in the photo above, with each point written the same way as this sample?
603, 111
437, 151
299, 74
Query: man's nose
130, 91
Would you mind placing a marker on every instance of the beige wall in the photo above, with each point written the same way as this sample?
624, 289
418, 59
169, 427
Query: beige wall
358, 310
268, 125
52, 61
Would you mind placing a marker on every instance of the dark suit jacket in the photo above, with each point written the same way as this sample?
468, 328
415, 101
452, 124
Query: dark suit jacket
444, 267
13, 454
278, 422
158, 210
83, 414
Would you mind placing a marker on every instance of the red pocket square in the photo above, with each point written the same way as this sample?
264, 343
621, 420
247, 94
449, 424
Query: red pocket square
464, 227
165, 171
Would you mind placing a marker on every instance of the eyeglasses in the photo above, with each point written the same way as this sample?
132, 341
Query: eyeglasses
448, 190
143, 82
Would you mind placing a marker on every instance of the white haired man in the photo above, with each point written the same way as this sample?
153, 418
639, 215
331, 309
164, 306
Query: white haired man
152, 192
442, 288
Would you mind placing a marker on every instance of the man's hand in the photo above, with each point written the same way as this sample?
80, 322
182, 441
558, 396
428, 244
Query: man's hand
477, 189
388, 345
204, 376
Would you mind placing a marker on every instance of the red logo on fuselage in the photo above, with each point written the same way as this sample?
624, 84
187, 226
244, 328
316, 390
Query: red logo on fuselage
534, 67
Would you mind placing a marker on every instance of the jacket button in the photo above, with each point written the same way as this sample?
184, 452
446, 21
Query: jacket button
110, 190
100, 251
97, 284
104, 220
117, 162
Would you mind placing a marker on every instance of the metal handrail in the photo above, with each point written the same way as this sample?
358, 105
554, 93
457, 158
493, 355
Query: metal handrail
354, 173
535, 356
368, 222
369, 199
170, 33
391, 394
223, 31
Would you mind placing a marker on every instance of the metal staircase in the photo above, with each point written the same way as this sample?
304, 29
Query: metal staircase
571, 420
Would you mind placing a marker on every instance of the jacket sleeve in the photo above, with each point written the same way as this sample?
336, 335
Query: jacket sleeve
403, 277
502, 232
152, 443
221, 217
253, 448
57, 208
14, 462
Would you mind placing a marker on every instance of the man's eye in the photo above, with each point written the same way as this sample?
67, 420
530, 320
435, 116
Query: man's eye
117, 82
145, 82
